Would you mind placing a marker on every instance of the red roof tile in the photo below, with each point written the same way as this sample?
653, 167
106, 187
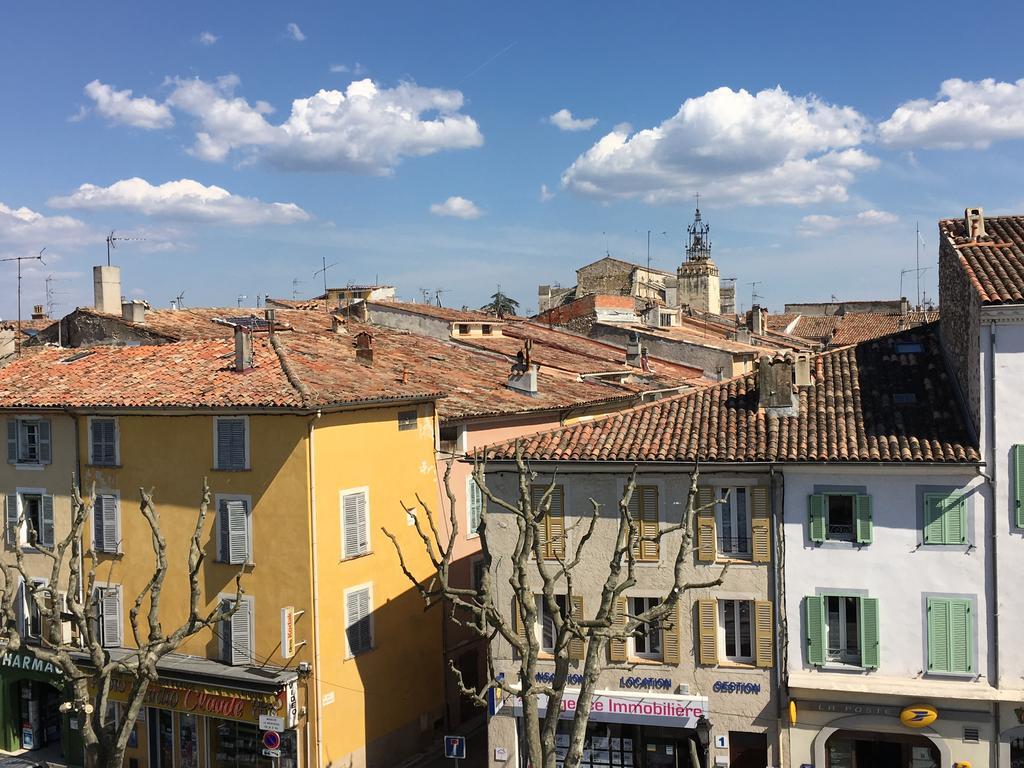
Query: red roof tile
994, 263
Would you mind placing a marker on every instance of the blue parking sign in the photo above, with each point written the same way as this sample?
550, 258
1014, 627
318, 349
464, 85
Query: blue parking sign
455, 747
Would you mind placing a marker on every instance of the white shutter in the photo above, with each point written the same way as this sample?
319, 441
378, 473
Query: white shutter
12, 532
475, 502
238, 531
356, 539
110, 616
44, 441
46, 521
106, 530
241, 634
357, 621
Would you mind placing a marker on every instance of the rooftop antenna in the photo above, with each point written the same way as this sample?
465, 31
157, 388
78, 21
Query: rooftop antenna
38, 257
323, 271
437, 295
425, 293
112, 241
50, 293
917, 247
241, 298
649, 247
295, 288
754, 295
178, 302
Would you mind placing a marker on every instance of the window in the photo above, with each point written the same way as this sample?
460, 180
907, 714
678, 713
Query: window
840, 517
234, 544
950, 635
406, 420
474, 506
236, 631
548, 631
28, 441
463, 329
108, 608
29, 618
355, 522
106, 523
733, 522
448, 439
945, 519
103, 448
358, 620
29, 513
485, 329
737, 630
231, 444
842, 630
478, 567
647, 638
552, 527
643, 508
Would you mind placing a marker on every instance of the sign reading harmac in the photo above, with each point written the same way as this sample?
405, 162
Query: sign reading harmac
25, 664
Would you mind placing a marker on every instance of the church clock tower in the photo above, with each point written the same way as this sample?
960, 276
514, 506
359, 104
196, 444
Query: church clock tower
698, 284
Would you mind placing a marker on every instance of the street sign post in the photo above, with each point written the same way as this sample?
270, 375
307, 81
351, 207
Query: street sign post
455, 747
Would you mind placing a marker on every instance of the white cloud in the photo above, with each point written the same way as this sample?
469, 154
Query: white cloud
293, 31
356, 69
818, 224
183, 199
458, 207
545, 193
121, 107
208, 38
964, 114
735, 147
338, 68
563, 120
23, 227
365, 129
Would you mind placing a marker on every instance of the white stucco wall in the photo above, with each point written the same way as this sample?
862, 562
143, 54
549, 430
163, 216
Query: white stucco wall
895, 567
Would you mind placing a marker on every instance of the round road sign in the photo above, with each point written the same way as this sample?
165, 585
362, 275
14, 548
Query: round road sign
271, 739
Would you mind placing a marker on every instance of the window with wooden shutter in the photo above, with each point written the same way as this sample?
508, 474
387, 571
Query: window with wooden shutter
863, 523
617, 646
102, 441
552, 526
764, 624
236, 632
474, 505
705, 524
12, 441
671, 653
518, 624
945, 519
355, 526
109, 607
233, 522
760, 525
707, 631
814, 619
950, 635
1018, 485
643, 508
869, 640
231, 442
13, 529
106, 518
358, 621
577, 645
45, 530
816, 517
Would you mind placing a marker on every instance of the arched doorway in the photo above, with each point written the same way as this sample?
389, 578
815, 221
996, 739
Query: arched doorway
931, 748
860, 749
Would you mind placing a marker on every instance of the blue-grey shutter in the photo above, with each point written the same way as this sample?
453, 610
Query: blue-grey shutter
44, 441
357, 621
12, 441
223, 533
12, 519
230, 444
241, 634
46, 521
104, 442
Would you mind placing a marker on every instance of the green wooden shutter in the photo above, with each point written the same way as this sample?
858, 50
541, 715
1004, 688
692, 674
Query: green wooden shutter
934, 532
814, 606
869, 651
865, 528
1018, 485
938, 634
816, 516
960, 655
954, 520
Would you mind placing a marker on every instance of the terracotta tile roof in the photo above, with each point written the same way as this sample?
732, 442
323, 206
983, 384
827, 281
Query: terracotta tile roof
314, 304
851, 327
872, 402
441, 313
994, 263
213, 322
27, 325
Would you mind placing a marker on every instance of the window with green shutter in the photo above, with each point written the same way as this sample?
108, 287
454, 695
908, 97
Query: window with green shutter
842, 630
1018, 485
840, 517
945, 518
950, 635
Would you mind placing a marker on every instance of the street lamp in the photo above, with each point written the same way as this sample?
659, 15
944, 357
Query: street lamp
704, 736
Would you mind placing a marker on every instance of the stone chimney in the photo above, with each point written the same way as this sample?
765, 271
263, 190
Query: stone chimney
243, 349
364, 347
133, 311
633, 351
974, 220
38, 313
106, 286
758, 320
775, 380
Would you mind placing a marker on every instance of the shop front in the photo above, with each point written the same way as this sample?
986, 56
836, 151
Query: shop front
192, 721
888, 734
31, 691
635, 730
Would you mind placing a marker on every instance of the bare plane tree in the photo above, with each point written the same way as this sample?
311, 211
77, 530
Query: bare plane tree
69, 608
579, 640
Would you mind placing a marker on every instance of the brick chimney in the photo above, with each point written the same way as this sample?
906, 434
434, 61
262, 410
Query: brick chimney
243, 349
364, 347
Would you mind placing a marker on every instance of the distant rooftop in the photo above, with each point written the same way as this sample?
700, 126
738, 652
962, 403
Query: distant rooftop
994, 261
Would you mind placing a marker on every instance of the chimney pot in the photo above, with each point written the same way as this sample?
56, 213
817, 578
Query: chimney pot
106, 284
775, 378
364, 347
243, 349
133, 311
974, 220
633, 352
38, 313
758, 320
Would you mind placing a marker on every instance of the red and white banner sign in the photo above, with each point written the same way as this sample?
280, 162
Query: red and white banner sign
621, 707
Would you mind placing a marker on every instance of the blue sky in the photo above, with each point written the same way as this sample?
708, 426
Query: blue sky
816, 133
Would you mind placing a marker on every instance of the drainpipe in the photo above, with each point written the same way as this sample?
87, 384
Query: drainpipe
777, 512
316, 591
993, 558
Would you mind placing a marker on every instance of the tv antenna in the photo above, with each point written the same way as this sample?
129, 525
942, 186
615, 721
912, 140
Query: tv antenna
112, 241
295, 288
323, 271
754, 295
917, 247
241, 297
38, 257
178, 302
50, 293
437, 295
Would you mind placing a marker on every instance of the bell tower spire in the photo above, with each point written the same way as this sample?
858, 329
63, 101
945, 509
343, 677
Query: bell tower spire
698, 284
